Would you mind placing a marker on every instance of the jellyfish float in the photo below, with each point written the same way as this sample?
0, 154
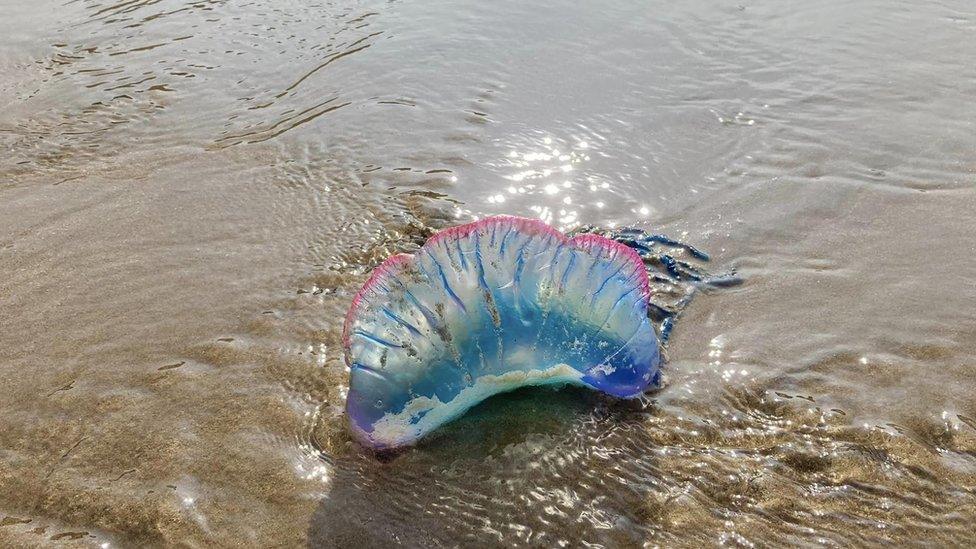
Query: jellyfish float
488, 307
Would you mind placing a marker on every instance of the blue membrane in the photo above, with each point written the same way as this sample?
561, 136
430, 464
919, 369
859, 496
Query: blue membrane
488, 307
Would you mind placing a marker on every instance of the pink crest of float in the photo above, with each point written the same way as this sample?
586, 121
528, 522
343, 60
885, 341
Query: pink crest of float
591, 243
523, 224
389, 266
610, 249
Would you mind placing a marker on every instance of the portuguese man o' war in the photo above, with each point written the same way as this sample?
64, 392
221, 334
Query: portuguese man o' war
494, 305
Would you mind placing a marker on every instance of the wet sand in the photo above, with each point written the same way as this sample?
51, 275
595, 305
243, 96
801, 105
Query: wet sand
191, 193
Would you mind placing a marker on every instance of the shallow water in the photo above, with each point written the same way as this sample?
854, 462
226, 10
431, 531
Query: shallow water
191, 192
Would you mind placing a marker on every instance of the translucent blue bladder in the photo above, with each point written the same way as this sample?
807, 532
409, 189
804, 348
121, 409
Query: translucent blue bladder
488, 307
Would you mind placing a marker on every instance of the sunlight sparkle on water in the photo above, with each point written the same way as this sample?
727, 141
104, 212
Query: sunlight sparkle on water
533, 170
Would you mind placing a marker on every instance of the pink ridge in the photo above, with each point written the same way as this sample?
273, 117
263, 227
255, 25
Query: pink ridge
389, 267
612, 249
524, 224
589, 243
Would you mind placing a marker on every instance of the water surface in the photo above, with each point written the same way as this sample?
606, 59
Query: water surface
191, 193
